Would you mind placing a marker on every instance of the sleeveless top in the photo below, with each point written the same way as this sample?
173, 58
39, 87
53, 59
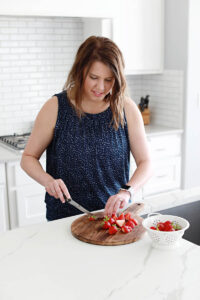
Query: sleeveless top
89, 155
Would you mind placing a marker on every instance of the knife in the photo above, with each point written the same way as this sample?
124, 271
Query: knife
78, 206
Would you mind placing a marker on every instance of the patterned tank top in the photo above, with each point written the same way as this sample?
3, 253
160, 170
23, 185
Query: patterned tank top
89, 155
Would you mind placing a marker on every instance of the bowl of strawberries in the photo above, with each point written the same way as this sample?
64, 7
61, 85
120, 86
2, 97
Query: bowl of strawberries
165, 231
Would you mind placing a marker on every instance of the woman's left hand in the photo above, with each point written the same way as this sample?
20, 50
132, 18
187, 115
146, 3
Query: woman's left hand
115, 202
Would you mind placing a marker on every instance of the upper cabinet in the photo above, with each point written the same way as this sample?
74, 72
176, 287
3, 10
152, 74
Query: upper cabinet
139, 32
61, 8
137, 26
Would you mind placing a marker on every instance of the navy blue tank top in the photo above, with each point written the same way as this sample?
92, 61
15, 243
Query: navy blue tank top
89, 155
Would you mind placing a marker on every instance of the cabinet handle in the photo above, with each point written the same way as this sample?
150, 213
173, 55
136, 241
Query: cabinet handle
161, 176
160, 149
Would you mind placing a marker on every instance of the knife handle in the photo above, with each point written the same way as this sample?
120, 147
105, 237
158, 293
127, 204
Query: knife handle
66, 199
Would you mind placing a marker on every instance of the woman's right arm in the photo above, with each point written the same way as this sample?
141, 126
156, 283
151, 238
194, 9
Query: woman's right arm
39, 139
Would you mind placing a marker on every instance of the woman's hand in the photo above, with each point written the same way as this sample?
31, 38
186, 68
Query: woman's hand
57, 188
115, 202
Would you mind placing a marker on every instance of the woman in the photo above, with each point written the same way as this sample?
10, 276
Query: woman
88, 131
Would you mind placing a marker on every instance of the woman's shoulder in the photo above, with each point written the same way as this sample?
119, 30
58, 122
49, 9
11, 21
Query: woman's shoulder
130, 106
51, 104
49, 111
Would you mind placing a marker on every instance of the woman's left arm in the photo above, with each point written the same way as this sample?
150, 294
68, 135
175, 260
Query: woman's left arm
140, 151
139, 146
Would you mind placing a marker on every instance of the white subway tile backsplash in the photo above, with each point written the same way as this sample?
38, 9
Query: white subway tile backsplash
166, 96
36, 55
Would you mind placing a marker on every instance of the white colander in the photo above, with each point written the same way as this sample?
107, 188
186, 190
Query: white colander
165, 239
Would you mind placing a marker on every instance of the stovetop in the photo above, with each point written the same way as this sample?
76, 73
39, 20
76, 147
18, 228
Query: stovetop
16, 141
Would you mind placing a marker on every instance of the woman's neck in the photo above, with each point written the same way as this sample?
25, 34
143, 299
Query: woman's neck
91, 107
94, 107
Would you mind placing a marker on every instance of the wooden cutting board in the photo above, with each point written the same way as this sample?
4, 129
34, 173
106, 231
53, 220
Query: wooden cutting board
92, 232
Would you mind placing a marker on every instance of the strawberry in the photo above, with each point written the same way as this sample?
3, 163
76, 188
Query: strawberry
113, 229
112, 220
134, 221
92, 218
127, 216
121, 217
106, 225
120, 223
160, 226
152, 227
114, 216
126, 229
130, 223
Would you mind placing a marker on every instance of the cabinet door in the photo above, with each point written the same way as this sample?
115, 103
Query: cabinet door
165, 146
3, 209
167, 176
31, 207
4, 223
139, 32
25, 195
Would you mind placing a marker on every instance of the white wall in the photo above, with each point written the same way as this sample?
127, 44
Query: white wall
176, 28
182, 48
192, 121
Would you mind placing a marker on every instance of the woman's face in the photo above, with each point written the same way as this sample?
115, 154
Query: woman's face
98, 83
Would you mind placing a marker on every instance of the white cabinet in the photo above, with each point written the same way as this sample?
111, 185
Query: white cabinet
97, 26
139, 32
62, 8
4, 221
166, 157
26, 197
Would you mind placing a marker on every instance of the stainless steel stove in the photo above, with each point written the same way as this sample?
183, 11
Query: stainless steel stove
16, 141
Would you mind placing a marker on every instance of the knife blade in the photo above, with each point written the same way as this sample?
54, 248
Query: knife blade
78, 206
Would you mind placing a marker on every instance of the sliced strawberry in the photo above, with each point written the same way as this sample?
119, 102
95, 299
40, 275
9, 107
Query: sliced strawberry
112, 220
120, 223
152, 227
160, 226
127, 216
130, 223
114, 216
92, 218
106, 225
113, 229
126, 229
134, 221
121, 217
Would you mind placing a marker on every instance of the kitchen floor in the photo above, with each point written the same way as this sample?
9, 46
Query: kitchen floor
190, 212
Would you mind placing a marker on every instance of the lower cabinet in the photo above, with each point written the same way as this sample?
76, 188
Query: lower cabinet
4, 219
26, 197
166, 176
166, 157
30, 205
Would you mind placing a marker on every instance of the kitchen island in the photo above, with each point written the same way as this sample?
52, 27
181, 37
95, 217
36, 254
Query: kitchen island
46, 262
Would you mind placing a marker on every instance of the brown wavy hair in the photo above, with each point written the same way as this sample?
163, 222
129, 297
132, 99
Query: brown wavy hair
104, 50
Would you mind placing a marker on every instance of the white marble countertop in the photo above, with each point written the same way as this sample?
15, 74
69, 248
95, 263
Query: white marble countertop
7, 154
154, 130
46, 262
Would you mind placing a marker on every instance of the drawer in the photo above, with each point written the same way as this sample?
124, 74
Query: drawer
167, 176
166, 145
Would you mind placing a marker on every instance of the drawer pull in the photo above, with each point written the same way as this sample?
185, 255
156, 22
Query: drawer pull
161, 176
161, 149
